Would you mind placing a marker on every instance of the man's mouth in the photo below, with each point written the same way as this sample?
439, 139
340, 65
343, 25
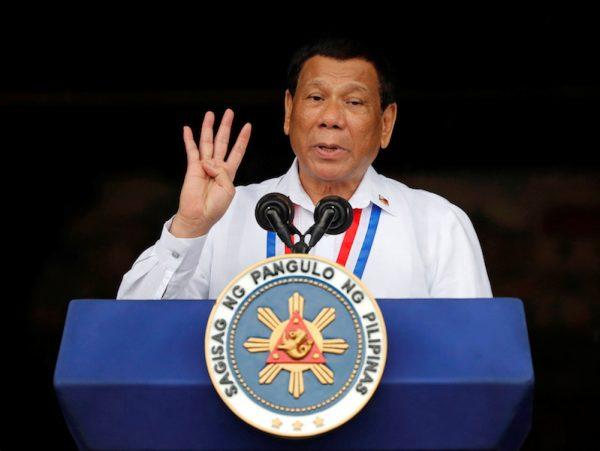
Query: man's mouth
326, 149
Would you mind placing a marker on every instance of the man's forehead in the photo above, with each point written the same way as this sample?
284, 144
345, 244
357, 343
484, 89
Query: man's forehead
352, 73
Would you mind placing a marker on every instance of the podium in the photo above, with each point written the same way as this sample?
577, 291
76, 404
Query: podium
131, 375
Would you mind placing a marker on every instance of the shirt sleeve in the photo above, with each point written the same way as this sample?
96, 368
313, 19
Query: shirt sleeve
169, 269
459, 266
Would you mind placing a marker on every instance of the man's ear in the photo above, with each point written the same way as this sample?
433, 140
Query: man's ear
387, 124
288, 111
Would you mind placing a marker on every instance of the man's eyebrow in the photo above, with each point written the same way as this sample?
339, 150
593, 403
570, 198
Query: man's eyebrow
352, 85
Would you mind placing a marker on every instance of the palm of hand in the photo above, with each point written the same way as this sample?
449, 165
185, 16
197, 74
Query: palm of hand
208, 187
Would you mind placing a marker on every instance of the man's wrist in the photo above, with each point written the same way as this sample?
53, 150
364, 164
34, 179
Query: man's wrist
182, 227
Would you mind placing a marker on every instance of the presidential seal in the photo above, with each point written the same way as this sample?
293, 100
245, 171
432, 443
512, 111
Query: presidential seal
295, 345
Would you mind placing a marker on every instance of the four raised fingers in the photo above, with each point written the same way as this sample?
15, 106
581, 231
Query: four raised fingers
217, 149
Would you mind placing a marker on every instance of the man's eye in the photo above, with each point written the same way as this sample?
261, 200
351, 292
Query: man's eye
355, 102
315, 98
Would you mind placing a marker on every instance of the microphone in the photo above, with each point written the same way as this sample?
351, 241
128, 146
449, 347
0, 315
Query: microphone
333, 215
275, 212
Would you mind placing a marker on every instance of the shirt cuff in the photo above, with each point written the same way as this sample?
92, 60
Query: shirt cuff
179, 253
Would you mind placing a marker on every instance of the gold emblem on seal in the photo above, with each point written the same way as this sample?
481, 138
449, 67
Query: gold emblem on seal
296, 345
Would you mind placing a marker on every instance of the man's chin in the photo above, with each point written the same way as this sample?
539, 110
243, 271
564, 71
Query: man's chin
329, 171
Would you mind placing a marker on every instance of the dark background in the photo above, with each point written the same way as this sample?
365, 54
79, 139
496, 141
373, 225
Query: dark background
498, 112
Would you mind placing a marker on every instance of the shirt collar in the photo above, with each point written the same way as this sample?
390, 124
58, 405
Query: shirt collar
372, 188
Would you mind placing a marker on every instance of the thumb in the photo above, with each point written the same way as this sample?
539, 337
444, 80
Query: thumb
219, 174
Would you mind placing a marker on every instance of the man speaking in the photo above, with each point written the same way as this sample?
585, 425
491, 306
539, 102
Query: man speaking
339, 112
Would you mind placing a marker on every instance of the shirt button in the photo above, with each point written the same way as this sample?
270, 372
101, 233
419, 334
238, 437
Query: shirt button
175, 254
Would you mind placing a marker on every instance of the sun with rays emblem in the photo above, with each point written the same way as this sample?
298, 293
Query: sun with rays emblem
296, 345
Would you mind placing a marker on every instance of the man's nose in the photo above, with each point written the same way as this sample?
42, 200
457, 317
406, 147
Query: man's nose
332, 116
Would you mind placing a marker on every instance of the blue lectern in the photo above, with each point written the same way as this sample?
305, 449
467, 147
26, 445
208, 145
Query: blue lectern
131, 375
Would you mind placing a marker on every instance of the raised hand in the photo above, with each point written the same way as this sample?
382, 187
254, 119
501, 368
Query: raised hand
208, 185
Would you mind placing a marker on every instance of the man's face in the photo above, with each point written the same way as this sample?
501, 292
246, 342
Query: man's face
334, 120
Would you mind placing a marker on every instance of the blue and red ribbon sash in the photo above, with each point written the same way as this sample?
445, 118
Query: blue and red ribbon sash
348, 241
